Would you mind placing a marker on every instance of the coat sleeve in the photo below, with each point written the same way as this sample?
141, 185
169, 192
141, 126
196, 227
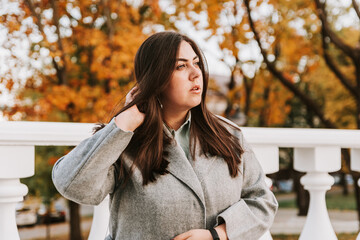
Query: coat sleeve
88, 173
253, 215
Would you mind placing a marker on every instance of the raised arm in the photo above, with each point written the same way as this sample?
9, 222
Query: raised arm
88, 173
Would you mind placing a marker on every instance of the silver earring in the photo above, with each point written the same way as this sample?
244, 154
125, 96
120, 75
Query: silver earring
159, 102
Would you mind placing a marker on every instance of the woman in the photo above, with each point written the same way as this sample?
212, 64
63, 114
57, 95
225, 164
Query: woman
173, 170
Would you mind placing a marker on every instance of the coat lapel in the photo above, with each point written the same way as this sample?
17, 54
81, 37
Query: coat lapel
180, 167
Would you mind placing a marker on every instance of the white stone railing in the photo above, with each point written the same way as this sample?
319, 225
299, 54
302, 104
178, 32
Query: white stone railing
316, 152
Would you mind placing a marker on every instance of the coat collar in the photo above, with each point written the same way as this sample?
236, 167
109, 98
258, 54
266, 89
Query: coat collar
180, 167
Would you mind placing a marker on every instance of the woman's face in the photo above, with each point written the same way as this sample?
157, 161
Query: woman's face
186, 84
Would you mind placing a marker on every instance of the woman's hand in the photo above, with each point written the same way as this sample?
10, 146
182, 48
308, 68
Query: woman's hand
195, 234
131, 118
203, 234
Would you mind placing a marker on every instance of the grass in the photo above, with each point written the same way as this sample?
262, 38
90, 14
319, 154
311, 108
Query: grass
333, 201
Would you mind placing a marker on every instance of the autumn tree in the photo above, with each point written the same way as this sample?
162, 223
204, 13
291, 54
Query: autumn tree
299, 45
341, 58
289, 33
224, 21
80, 59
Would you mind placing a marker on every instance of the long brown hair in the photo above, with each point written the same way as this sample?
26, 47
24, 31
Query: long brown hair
155, 62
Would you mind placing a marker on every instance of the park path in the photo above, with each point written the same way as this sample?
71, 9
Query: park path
56, 230
286, 222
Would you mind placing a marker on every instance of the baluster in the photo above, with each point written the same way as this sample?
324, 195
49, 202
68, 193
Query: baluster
355, 166
268, 156
99, 227
16, 162
11, 192
317, 162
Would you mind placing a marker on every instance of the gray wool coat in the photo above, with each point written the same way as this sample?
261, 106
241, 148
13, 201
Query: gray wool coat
194, 194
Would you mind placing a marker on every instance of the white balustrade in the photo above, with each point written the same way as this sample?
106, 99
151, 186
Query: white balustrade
317, 162
316, 152
101, 219
355, 166
17, 160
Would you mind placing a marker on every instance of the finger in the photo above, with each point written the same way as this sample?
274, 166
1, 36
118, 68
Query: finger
130, 96
134, 89
182, 236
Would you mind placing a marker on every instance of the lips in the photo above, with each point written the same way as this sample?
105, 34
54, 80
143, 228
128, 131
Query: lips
195, 89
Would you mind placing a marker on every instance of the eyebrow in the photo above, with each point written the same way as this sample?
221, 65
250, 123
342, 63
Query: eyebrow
185, 60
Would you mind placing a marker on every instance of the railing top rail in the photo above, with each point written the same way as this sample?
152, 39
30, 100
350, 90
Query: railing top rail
44, 133
60, 133
303, 137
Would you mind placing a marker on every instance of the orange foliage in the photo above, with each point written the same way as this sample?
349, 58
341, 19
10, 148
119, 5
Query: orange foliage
227, 21
88, 67
290, 33
52, 160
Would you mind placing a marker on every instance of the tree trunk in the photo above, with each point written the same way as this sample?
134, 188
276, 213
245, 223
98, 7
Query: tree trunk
263, 116
47, 222
343, 184
356, 176
75, 226
302, 196
231, 86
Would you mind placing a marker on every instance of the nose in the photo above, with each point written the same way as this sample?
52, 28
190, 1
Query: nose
195, 72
